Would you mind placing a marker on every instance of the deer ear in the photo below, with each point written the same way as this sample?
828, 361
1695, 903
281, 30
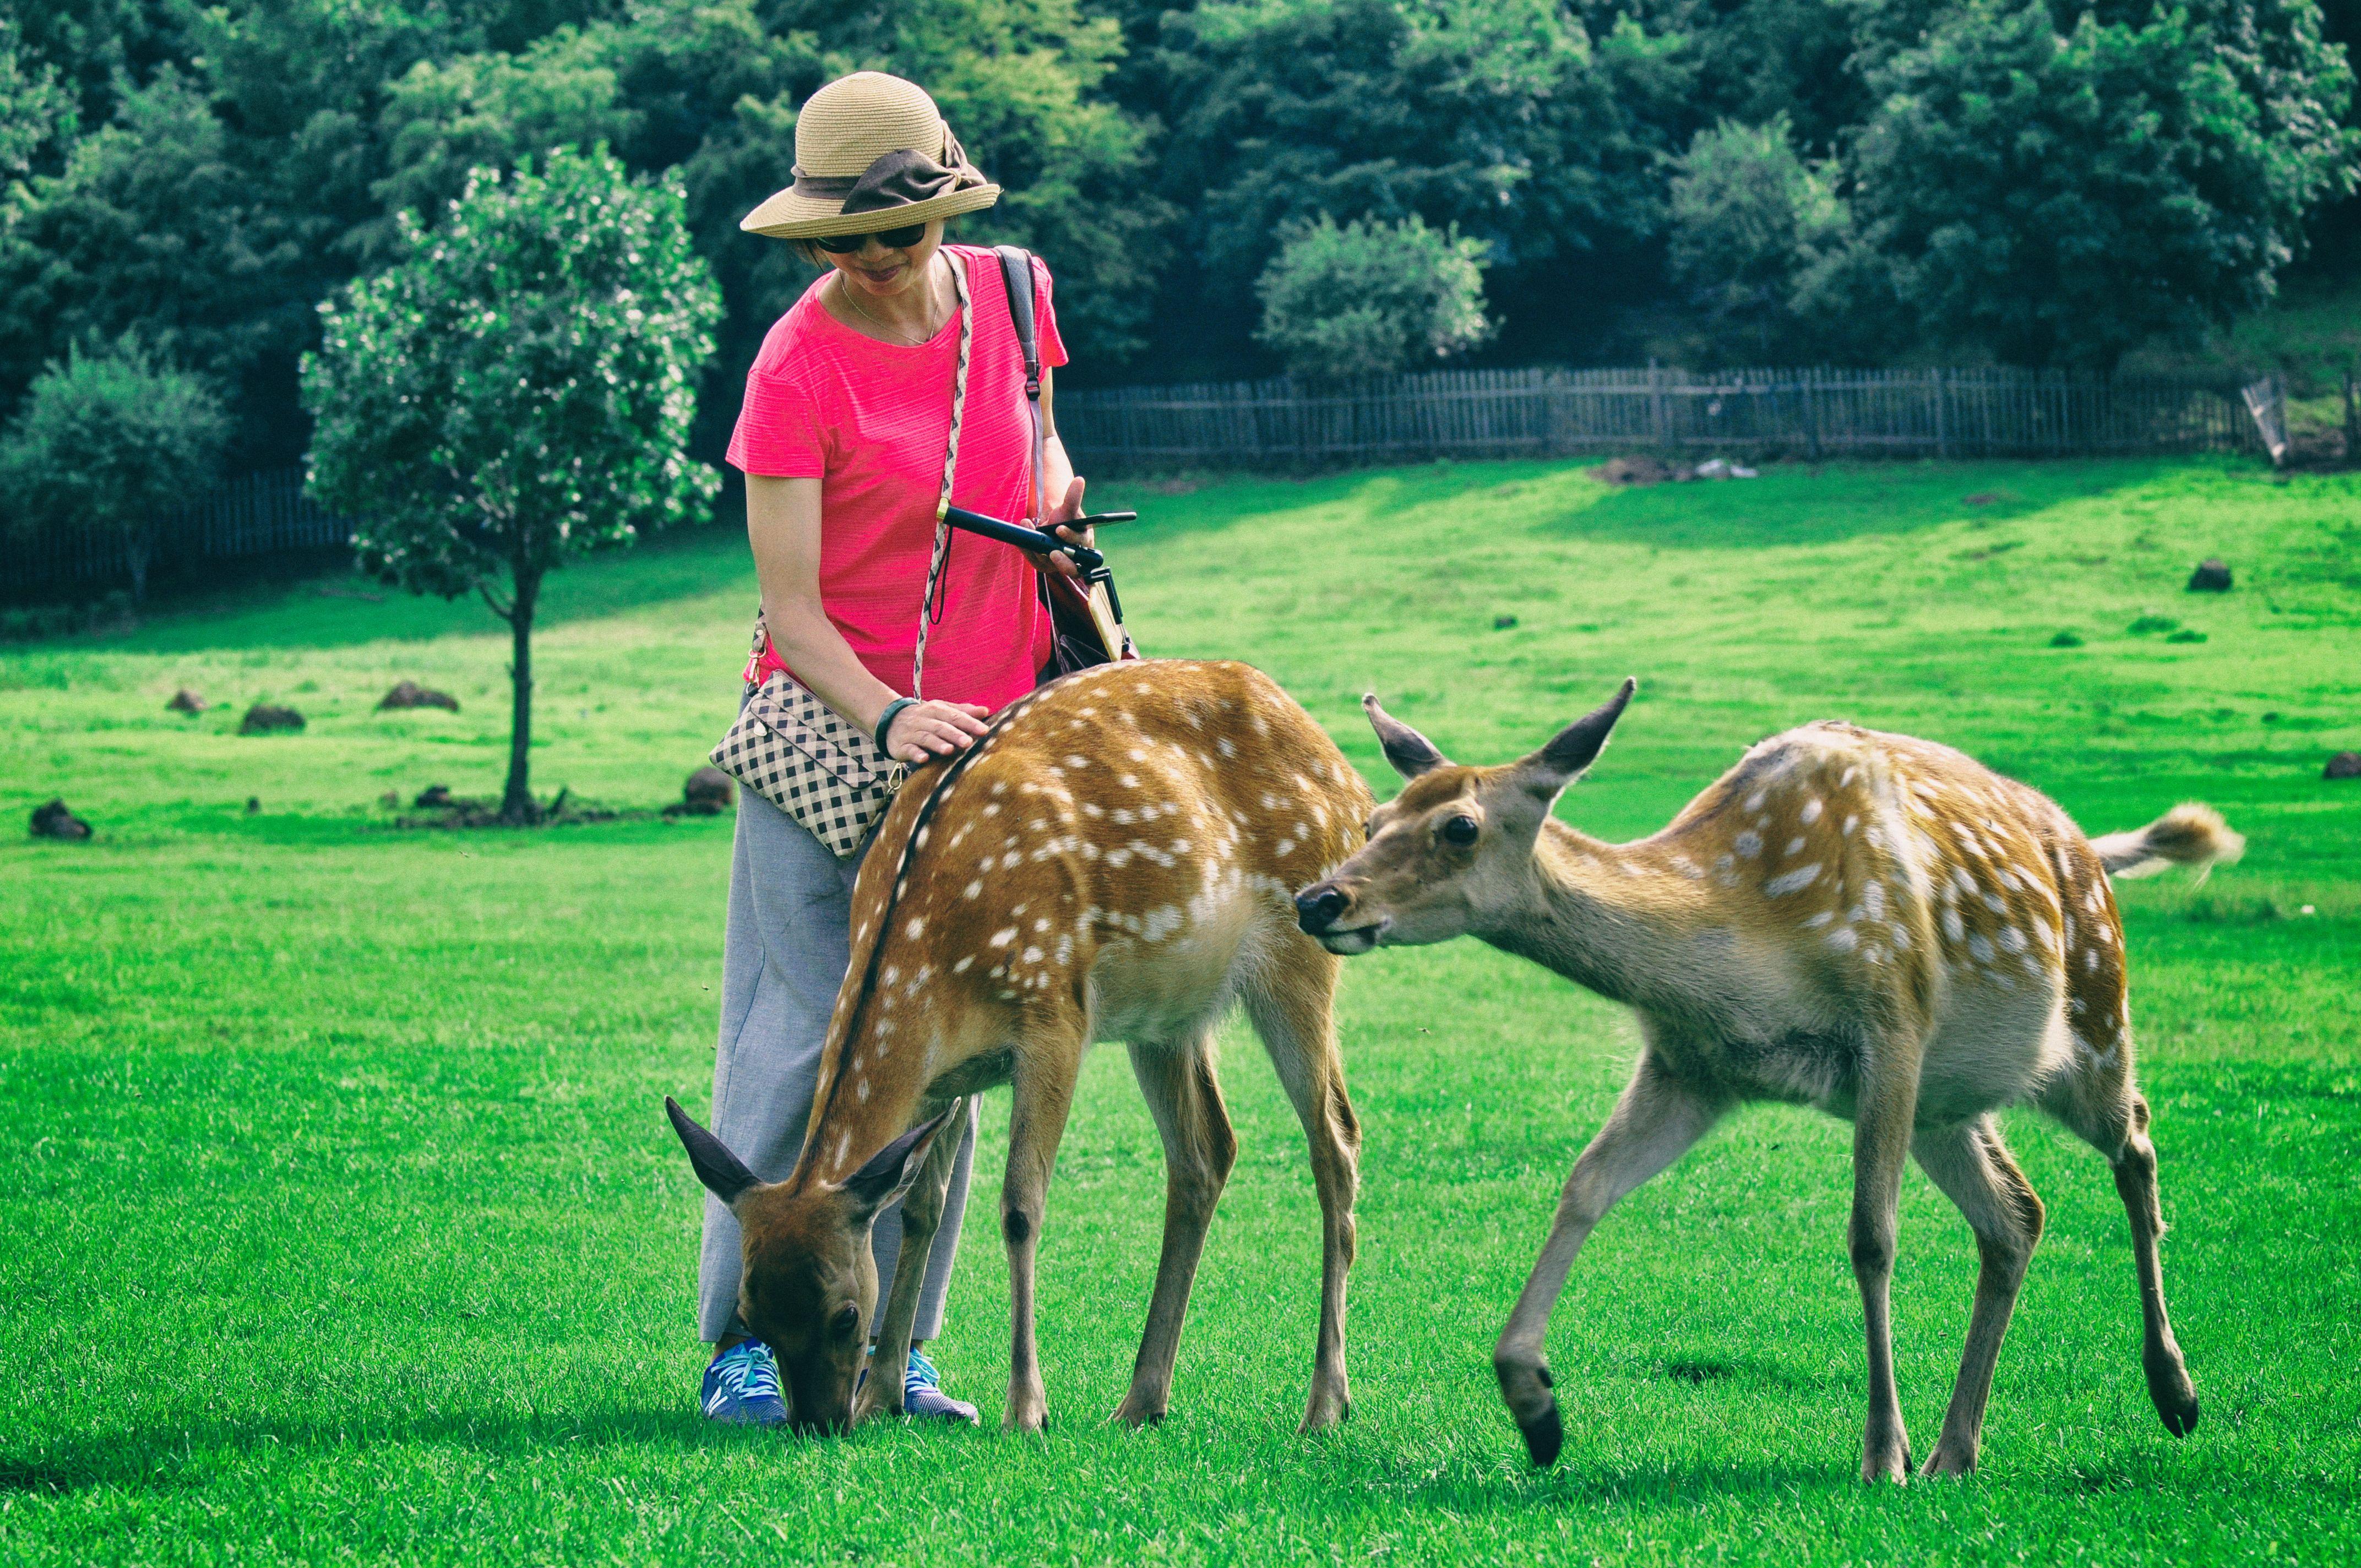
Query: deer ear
1410, 752
893, 1169
1548, 771
724, 1174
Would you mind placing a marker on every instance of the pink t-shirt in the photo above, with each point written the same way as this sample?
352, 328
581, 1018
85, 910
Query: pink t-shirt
870, 420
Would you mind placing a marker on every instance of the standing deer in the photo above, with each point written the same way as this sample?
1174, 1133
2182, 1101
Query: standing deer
1872, 925
1113, 860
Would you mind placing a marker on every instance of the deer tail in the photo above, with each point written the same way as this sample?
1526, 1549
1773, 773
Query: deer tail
2188, 835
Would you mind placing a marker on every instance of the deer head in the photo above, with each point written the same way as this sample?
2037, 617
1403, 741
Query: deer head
809, 1287
1453, 852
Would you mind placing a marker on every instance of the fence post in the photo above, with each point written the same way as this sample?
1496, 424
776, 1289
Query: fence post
1656, 422
1942, 421
2351, 416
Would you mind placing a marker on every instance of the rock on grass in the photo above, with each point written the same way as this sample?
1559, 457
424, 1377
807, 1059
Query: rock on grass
264, 720
55, 820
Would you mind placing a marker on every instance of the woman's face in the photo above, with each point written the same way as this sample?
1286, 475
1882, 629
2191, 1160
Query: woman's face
880, 273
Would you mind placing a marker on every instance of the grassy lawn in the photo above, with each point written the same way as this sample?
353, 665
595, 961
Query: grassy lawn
341, 1219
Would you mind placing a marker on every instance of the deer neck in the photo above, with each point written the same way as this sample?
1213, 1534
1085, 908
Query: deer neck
1623, 920
866, 1100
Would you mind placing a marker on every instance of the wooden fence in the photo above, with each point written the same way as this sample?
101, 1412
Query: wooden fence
1551, 411
256, 514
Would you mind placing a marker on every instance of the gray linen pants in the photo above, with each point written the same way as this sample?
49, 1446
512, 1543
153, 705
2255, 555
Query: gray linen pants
788, 944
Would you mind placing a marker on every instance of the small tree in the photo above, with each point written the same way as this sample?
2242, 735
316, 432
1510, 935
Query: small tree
515, 391
1368, 299
1749, 216
110, 445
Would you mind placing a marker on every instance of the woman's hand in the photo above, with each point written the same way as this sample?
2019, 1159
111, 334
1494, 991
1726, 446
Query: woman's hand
1071, 507
926, 729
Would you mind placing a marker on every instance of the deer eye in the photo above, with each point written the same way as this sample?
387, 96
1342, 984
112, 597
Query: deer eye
1460, 830
847, 1321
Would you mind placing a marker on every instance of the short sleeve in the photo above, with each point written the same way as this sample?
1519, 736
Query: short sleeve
779, 430
1045, 314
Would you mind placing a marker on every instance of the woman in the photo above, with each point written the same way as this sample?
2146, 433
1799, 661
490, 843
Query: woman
842, 437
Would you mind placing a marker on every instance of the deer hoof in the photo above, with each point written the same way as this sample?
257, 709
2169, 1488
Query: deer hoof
1948, 1461
2175, 1395
1544, 1434
1136, 1415
1891, 1465
1325, 1410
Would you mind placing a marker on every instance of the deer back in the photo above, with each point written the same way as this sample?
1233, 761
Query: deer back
1104, 855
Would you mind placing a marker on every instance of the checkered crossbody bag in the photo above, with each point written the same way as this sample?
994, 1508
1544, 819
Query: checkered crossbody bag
798, 752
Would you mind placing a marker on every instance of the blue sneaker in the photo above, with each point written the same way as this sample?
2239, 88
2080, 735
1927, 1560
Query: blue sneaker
922, 1393
742, 1387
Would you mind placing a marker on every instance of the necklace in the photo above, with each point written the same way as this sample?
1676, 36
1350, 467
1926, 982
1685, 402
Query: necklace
852, 299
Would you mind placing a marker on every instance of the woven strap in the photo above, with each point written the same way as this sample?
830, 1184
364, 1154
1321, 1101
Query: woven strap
930, 607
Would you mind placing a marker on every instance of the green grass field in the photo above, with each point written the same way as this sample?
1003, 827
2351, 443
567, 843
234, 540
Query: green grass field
342, 1221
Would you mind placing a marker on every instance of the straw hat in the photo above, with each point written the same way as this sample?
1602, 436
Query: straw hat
871, 152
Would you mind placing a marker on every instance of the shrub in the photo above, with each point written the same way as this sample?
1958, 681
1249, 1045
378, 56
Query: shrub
110, 443
1370, 298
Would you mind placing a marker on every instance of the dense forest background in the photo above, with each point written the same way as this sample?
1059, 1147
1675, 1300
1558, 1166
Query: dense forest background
1715, 181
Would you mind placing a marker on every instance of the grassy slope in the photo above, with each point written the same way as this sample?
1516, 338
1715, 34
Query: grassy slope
338, 1217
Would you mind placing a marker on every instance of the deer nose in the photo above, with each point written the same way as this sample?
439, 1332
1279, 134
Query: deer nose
1316, 908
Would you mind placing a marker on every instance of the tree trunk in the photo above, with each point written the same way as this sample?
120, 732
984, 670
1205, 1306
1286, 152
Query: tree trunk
516, 800
137, 548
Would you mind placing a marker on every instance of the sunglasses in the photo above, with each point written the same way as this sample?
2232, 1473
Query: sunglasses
901, 239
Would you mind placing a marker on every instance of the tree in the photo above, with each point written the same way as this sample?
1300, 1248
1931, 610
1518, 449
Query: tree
2059, 197
1370, 298
1748, 217
111, 443
517, 391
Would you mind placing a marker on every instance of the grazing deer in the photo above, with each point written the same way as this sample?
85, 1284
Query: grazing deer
1872, 925
1113, 860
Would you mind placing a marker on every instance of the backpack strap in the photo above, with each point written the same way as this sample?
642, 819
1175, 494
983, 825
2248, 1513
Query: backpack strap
1016, 281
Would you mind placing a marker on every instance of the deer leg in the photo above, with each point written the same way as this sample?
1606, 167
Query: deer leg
2112, 1117
1972, 1167
922, 1216
1296, 1018
1653, 1123
1042, 1090
1184, 1097
1886, 1103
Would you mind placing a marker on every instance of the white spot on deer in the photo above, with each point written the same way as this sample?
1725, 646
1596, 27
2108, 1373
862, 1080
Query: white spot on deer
1844, 939
1850, 822
1284, 847
2012, 940
1129, 780
1042, 924
1980, 947
973, 889
1811, 812
1899, 935
861, 1090
1029, 956
1223, 745
1754, 801
1078, 761
1996, 903
1822, 918
1003, 937
992, 809
1725, 872
960, 967
1793, 845
1748, 843
916, 928
1873, 898
1795, 880
843, 1146
1688, 868
1848, 777
2089, 960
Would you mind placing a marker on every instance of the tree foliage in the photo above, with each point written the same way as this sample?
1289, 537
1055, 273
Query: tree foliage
2045, 181
110, 443
517, 389
1368, 299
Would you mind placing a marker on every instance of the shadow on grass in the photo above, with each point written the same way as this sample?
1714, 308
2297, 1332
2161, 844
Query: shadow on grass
343, 608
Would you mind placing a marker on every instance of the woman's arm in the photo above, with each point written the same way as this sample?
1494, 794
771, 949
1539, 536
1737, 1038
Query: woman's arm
783, 525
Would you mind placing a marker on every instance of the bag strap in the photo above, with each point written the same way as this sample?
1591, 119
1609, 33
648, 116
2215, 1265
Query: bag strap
1017, 282
930, 608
